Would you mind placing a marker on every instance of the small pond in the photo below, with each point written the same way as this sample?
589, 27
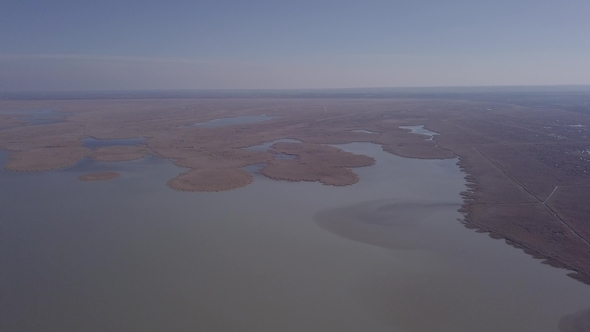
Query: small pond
420, 130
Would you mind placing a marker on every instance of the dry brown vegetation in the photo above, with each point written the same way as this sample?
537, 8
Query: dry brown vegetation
119, 153
528, 169
314, 162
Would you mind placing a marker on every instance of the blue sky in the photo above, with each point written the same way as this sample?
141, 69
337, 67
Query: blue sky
113, 45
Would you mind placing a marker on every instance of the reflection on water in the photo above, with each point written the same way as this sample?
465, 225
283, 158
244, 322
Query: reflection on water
388, 255
93, 143
244, 119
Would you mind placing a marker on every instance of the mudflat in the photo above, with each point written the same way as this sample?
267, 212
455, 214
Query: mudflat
528, 167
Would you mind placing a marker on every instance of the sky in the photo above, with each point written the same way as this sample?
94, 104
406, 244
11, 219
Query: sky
108, 45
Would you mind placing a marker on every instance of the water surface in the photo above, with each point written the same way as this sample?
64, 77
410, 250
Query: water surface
244, 119
386, 254
266, 145
94, 143
364, 131
420, 130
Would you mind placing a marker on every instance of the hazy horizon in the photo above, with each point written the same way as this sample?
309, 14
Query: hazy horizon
564, 88
131, 45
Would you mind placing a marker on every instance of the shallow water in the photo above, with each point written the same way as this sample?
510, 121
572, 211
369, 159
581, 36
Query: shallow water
420, 130
386, 254
264, 147
244, 119
364, 131
93, 143
284, 156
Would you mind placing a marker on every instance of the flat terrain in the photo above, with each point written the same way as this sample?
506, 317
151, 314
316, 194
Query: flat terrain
528, 167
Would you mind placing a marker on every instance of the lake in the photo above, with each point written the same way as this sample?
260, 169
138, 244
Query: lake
386, 254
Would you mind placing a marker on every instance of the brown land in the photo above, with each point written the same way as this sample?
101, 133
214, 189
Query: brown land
314, 162
528, 168
119, 153
99, 176
211, 180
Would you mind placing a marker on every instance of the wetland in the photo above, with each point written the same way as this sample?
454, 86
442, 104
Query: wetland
297, 221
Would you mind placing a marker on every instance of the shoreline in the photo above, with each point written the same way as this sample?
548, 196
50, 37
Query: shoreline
504, 198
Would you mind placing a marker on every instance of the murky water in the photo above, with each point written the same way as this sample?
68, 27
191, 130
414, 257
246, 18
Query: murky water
244, 119
386, 254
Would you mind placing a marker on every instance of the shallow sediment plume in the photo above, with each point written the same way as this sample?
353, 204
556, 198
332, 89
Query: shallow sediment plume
99, 176
527, 168
578, 322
